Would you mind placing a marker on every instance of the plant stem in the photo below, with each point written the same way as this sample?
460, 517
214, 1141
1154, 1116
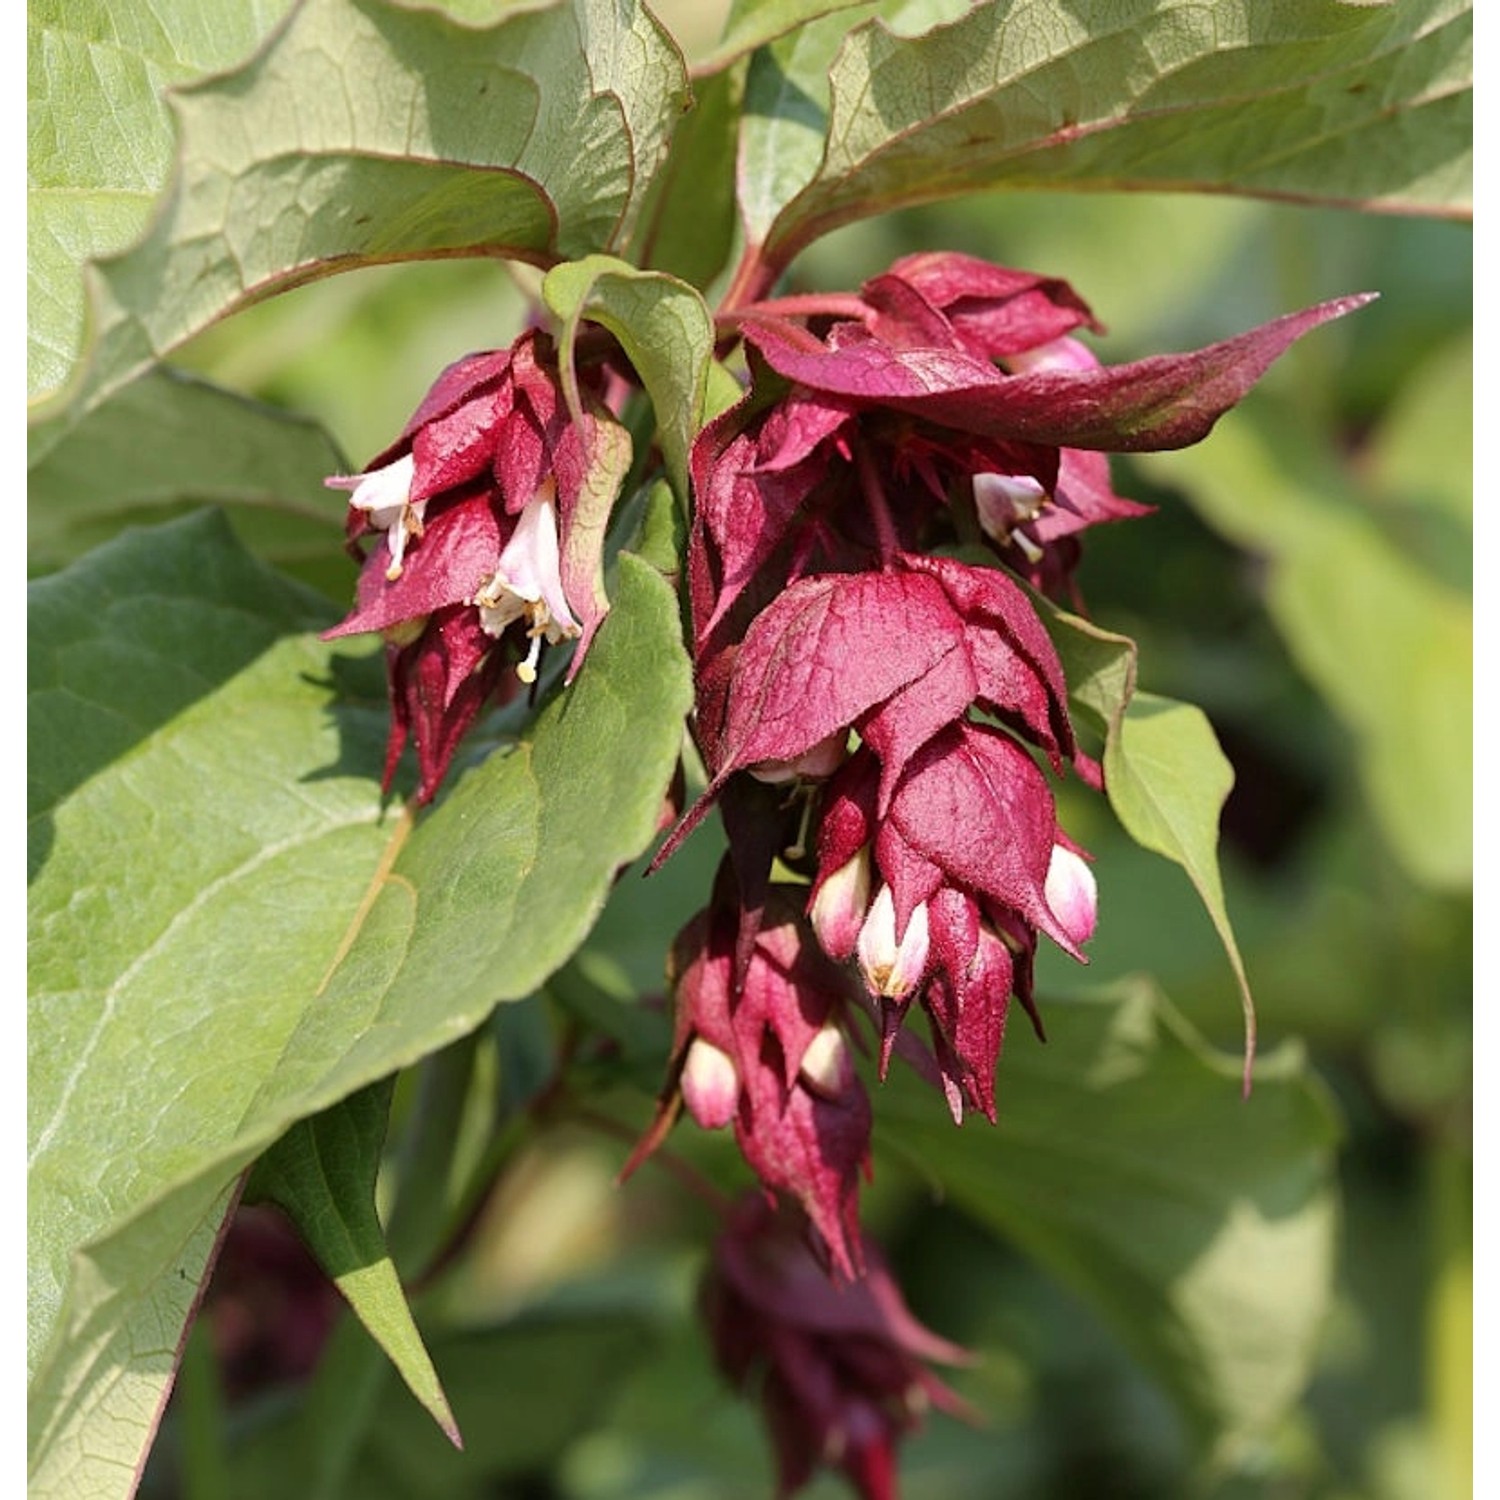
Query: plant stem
880, 511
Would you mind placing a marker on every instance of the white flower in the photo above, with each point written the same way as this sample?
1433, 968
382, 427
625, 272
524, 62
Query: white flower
1005, 503
527, 582
386, 494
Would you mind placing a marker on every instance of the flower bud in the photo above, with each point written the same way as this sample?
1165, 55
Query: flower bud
840, 905
1058, 354
817, 764
892, 967
1072, 894
827, 1067
710, 1085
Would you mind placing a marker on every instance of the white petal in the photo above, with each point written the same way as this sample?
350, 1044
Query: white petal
892, 967
384, 493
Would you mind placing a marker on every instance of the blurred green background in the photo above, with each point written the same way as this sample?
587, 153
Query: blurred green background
1306, 580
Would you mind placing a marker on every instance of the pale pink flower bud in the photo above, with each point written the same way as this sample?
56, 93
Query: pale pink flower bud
710, 1085
817, 764
1072, 894
827, 1068
1060, 354
892, 966
839, 908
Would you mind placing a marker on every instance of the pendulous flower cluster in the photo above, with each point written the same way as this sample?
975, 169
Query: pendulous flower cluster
488, 538
840, 1372
879, 701
878, 526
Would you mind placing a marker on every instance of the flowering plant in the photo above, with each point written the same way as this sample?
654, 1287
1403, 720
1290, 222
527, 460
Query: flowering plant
724, 721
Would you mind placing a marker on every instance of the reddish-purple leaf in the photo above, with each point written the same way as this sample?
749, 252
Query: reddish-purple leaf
974, 804
1165, 401
829, 649
455, 555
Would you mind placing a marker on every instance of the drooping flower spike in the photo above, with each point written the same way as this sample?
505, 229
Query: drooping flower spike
905, 699
488, 516
840, 1371
765, 1051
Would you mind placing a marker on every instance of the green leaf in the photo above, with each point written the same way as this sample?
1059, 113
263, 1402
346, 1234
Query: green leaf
322, 1172
687, 225
222, 912
1167, 781
785, 115
365, 132
665, 330
1200, 1226
1363, 105
167, 443
1164, 773
1369, 585
99, 140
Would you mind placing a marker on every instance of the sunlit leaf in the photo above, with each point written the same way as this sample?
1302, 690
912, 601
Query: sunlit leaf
753, 23
1166, 777
223, 913
367, 132
687, 224
167, 443
664, 328
1323, 102
99, 140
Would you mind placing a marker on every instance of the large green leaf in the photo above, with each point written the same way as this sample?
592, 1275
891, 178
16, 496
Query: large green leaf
99, 139
166, 443
1368, 105
687, 224
224, 916
1369, 585
1201, 1226
322, 1172
367, 132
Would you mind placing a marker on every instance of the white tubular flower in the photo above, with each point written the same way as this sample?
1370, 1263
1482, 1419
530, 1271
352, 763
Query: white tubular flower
527, 582
1005, 503
385, 494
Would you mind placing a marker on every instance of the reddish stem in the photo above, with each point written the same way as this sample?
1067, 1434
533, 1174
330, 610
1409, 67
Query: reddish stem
752, 278
880, 510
